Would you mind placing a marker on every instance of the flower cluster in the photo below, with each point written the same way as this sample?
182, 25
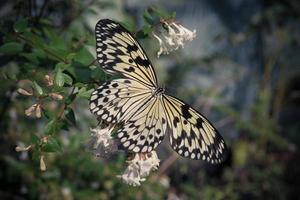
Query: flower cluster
103, 144
36, 108
22, 148
172, 36
140, 167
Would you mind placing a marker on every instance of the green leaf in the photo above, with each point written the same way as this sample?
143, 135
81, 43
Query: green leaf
128, 25
11, 48
61, 65
144, 32
35, 40
162, 13
98, 74
70, 98
56, 54
35, 139
20, 25
148, 17
51, 127
36, 155
54, 126
80, 72
84, 57
68, 79
38, 88
69, 113
52, 145
55, 40
59, 78
29, 66
86, 94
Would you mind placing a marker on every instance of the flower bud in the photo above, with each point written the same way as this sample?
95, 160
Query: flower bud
29, 111
20, 149
38, 112
24, 92
49, 80
56, 96
42, 163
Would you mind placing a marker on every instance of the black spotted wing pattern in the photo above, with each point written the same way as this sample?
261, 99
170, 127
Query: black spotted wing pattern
119, 53
192, 135
116, 101
145, 129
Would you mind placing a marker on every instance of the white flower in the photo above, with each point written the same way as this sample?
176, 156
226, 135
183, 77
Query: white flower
132, 176
24, 92
172, 37
56, 96
42, 163
21, 148
102, 143
49, 80
34, 109
140, 167
150, 163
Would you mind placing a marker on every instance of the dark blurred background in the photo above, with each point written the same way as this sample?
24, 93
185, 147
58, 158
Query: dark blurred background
242, 71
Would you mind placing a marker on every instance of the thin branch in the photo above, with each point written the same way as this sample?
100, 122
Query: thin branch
167, 163
44, 49
60, 115
40, 15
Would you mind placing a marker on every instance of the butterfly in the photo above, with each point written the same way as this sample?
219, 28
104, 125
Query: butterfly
136, 102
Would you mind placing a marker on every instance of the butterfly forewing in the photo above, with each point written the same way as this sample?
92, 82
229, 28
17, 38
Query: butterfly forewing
119, 53
191, 134
115, 101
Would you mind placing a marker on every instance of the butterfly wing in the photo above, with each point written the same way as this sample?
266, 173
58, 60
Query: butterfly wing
115, 101
191, 134
146, 127
119, 53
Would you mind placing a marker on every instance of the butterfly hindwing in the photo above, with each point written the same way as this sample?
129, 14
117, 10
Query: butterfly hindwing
145, 129
119, 53
191, 134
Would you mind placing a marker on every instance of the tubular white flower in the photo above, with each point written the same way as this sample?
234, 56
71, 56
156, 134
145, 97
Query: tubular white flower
140, 167
150, 163
29, 111
24, 92
132, 176
102, 135
42, 163
102, 143
172, 37
21, 148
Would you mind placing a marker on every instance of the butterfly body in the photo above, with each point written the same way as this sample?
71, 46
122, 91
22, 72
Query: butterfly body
143, 109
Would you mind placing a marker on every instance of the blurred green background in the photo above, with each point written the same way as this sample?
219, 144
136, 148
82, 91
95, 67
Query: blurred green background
242, 71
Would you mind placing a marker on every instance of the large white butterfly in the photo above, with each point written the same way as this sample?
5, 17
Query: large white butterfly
140, 106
